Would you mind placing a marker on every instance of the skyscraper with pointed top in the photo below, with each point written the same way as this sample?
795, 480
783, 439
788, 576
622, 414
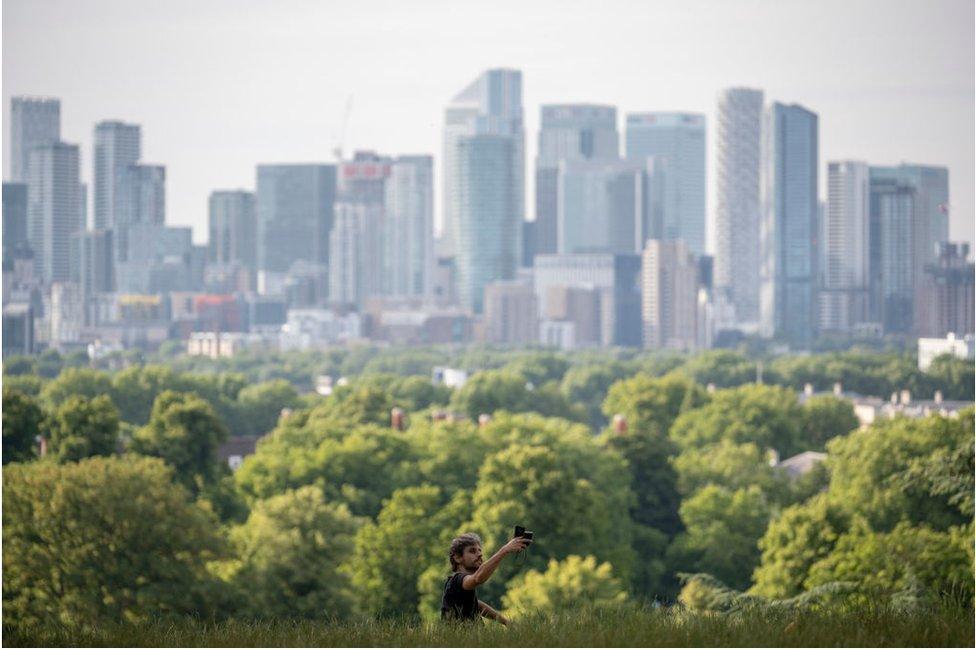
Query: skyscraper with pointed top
484, 182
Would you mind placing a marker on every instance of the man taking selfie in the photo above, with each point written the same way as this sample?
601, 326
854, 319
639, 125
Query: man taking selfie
468, 571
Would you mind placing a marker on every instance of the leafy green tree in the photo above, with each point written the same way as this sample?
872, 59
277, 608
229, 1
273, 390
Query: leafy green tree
449, 454
801, 536
292, 557
824, 418
104, 540
946, 473
83, 428
49, 364
18, 366
412, 532
261, 404
722, 530
491, 390
917, 561
28, 384
563, 586
494, 390
868, 471
652, 404
720, 367
184, 431
956, 377
538, 368
588, 385
356, 405
767, 416
410, 393
730, 465
23, 421
571, 494
359, 467
136, 388
75, 382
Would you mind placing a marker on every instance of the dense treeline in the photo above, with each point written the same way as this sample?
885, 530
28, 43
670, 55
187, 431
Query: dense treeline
130, 514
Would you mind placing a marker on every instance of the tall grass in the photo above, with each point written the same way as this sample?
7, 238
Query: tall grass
861, 627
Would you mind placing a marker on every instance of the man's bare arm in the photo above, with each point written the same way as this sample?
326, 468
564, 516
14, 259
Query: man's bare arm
492, 614
486, 569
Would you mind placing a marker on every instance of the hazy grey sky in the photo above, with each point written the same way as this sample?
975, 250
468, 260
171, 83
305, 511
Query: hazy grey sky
220, 86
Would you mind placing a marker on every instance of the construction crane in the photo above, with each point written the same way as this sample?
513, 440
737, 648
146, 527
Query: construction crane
340, 138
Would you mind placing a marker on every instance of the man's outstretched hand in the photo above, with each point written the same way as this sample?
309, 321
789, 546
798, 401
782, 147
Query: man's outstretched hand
517, 544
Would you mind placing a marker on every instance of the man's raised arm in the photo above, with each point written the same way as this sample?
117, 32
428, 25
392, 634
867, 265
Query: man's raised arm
486, 569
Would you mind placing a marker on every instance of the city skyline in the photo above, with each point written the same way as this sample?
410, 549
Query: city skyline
223, 142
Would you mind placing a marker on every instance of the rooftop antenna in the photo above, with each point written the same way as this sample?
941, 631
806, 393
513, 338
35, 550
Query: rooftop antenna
340, 139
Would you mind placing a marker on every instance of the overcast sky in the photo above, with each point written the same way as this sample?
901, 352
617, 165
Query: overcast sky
220, 86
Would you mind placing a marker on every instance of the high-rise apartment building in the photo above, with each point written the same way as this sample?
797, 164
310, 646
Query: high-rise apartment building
511, 314
601, 206
34, 121
295, 210
344, 257
54, 211
117, 146
233, 226
362, 187
487, 218
946, 302
669, 287
930, 222
141, 199
570, 132
789, 225
15, 239
845, 245
737, 161
490, 106
676, 141
92, 266
891, 257
408, 260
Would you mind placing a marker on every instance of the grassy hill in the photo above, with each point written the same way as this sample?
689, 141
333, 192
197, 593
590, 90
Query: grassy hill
866, 627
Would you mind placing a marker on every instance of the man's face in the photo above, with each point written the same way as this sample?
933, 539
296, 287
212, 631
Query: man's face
471, 558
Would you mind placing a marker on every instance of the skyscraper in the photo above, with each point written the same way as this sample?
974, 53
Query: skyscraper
54, 210
669, 287
233, 230
511, 313
947, 295
362, 187
571, 132
15, 239
843, 296
930, 221
891, 252
34, 121
601, 206
294, 209
117, 146
737, 161
409, 231
490, 105
488, 221
344, 258
140, 199
788, 230
676, 141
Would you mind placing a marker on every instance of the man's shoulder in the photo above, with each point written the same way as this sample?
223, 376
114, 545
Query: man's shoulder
455, 580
